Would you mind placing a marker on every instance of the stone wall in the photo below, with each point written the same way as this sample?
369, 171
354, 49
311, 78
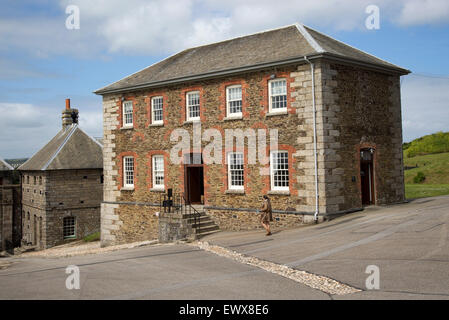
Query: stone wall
10, 218
337, 145
62, 193
362, 109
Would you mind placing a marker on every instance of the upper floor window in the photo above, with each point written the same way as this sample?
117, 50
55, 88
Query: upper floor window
128, 114
235, 171
128, 172
279, 170
193, 105
158, 172
157, 110
234, 101
40, 181
278, 95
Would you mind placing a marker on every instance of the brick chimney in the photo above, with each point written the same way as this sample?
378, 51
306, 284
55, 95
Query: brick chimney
69, 115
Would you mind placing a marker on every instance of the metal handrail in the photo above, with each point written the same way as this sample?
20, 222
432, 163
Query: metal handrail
181, 203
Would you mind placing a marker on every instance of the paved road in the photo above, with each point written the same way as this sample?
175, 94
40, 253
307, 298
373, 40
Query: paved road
408, 243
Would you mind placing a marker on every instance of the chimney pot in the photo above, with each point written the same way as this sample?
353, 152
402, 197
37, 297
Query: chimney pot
67, 104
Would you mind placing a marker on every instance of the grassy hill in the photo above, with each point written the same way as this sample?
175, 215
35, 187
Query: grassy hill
435, 168
427, 162
430, 144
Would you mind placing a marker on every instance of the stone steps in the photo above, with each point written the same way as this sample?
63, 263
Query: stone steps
203, 226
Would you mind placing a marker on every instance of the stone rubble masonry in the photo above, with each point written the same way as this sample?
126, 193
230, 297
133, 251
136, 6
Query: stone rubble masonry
62, 193
355, 108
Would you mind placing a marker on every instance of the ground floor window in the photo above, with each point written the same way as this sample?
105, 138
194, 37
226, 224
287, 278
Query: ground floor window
69, 227
279, 170
235, 171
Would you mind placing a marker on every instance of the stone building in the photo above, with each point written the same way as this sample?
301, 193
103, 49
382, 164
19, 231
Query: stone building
10, 205
337, 111
62, 186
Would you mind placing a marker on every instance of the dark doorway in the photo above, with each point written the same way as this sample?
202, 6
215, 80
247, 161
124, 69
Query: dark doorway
367, 176
194, 178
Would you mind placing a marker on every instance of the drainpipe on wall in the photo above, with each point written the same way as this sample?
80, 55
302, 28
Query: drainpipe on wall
312, 72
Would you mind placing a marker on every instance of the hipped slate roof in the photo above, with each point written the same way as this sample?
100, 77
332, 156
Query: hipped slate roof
270, 48
4, 166
71, 148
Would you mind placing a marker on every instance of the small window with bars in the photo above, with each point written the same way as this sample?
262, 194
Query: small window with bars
128, 172
235, 171
279, 170
234, 100
278, 95
193, 105
69, 227
158, 172
157, 104
128, 114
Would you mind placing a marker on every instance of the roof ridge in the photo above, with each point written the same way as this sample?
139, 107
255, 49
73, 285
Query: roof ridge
309, 38
73, 129
243, 36
200, 46
348, 45
6, 164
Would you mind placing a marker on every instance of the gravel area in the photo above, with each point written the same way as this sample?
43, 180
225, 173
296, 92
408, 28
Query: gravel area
321, 283
82, 248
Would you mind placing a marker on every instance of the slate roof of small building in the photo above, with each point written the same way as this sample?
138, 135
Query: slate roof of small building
4, 166
247, 52
71, 148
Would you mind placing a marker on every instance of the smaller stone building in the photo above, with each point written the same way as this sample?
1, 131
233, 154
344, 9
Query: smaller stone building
62, 187
10, 204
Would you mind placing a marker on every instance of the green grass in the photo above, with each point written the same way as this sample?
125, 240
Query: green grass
92, 237
430, 144
435, 168
425, 190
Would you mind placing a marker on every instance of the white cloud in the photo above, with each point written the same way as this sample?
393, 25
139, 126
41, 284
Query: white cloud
419, 12
26, 128
162, 27
425, 106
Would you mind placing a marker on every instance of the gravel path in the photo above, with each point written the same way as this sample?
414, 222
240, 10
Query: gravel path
321, 283
82, 248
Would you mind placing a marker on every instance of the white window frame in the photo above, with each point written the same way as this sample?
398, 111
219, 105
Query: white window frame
272, 171
154, 172
64, 227
228, 102
270, 95
188, 106
153, 121
230, 184
126, 170
127, 124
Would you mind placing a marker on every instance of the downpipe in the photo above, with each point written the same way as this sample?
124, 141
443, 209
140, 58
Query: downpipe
312, 72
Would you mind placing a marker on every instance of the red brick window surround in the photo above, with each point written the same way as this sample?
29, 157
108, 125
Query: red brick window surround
157, 179
127, 112
192, 100
156, 109
277, 94
232, 99
285, 168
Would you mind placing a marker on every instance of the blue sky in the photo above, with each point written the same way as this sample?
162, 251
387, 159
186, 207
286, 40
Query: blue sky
42, 62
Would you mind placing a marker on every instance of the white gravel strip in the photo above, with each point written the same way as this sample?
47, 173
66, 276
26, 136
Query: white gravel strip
82, 249
321, 283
